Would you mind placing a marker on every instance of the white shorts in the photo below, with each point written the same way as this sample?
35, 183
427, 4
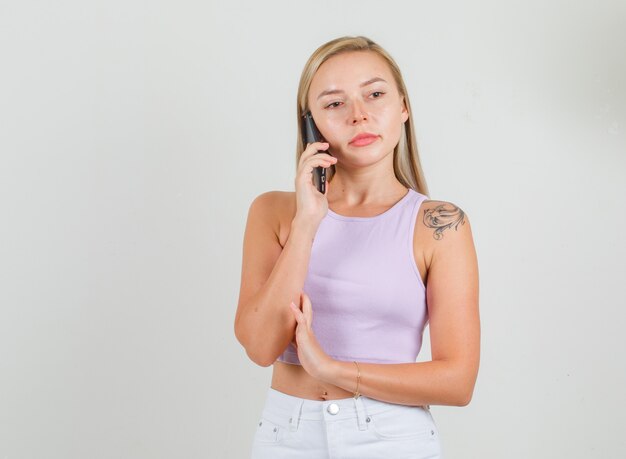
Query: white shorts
293, 428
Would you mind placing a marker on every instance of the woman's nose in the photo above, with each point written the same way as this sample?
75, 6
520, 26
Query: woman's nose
356, 118
358, 114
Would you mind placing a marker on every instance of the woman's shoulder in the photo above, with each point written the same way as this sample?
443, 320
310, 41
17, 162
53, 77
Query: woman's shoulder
269, 199
439, 218
277, 209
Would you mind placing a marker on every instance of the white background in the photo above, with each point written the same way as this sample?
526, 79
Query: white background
134, 136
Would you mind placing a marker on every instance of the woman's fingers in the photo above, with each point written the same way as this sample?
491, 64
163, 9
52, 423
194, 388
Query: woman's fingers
306, 169
304, 315
319, 160
296, 311
311, 205
307, 309
315, 149
309, 166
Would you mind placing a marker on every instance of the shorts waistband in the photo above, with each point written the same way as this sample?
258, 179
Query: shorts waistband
279, 404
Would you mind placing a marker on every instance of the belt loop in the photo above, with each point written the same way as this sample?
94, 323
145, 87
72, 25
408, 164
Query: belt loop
295, 416
360, 413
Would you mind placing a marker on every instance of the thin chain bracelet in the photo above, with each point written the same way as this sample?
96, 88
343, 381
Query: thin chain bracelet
358, 380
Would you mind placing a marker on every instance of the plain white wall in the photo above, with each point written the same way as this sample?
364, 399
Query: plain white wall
134, 135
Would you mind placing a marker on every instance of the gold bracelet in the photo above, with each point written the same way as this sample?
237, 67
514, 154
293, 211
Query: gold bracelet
358, 380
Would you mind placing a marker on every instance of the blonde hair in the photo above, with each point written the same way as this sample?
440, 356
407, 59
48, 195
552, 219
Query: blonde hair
406, 162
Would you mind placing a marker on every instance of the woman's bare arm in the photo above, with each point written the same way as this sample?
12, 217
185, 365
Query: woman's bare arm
271, 277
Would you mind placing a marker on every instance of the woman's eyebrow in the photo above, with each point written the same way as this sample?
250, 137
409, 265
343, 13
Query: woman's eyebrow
339, 91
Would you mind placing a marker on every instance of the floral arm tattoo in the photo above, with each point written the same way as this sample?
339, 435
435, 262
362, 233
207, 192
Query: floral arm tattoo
442, 218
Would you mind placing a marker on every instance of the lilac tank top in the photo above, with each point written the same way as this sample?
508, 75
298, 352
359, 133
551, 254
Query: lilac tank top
369, 301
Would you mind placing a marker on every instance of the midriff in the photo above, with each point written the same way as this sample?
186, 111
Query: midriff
294, 380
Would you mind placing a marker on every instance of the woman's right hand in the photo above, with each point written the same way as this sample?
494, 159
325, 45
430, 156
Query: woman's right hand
312, 206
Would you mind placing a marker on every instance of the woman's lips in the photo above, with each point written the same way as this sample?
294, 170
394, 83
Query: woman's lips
364, 141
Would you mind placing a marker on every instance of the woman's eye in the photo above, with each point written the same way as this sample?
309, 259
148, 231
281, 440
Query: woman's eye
332, 105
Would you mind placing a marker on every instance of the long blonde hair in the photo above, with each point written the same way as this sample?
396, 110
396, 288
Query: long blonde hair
406, 162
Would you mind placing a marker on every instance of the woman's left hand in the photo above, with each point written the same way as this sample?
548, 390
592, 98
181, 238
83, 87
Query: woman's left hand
311, 355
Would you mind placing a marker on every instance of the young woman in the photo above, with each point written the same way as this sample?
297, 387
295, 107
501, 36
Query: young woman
336, 288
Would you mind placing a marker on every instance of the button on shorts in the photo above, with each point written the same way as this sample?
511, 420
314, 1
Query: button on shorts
363, 428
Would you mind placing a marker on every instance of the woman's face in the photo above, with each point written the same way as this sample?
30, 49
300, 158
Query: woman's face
354, 93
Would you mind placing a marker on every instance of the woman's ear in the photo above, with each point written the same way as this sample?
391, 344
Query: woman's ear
405, 111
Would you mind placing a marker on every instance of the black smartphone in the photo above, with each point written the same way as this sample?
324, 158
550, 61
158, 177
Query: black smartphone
311, 134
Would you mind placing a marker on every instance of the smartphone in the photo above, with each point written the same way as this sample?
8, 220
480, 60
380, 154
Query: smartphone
311, 134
